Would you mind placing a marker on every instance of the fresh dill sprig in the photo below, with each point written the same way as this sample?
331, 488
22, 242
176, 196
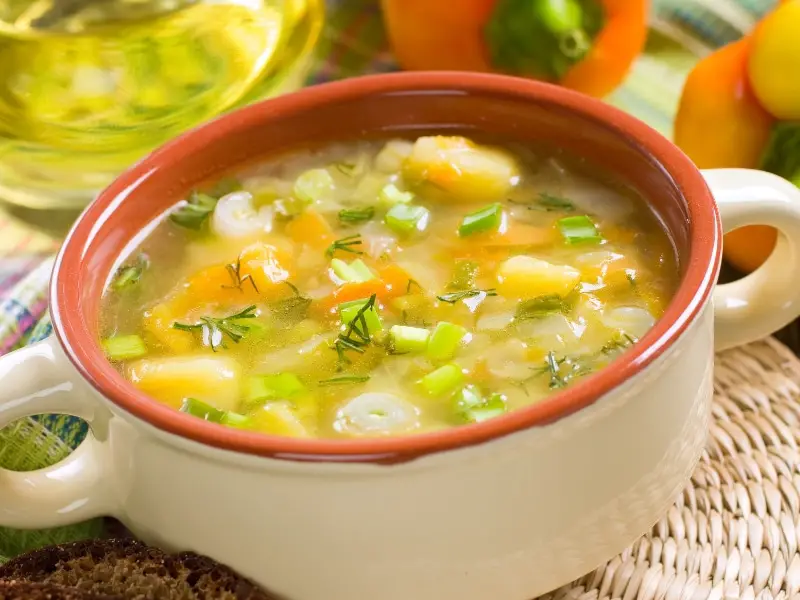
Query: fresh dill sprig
295, 306
345, 244
356, 215
214, 329
237, 279
344, 380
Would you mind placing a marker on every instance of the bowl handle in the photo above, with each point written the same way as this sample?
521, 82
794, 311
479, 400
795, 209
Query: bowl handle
38, 379
769, 297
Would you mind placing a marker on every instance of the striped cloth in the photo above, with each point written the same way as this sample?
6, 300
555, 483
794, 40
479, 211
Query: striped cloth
353, 44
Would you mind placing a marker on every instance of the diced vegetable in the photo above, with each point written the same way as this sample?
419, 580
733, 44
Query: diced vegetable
376, 413
630, 319
408, 339
406, 219
527, 277
350, 311
313, 185
579, 230
124, 347
541, 306
278, 418
171, 379
390, 158
460, 170
474, 408
392, 281
487, 218
232, 419
445, 341
390, 195
354, 272
311, 228
443, 380
260, 388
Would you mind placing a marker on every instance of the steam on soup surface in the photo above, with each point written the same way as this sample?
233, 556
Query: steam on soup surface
386, 288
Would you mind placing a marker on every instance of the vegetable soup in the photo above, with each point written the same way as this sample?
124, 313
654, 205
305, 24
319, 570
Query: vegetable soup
386, 288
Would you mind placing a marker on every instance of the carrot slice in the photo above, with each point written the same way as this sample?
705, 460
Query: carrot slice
392, 281
310, 227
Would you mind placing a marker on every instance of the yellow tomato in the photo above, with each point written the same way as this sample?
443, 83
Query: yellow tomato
774, 63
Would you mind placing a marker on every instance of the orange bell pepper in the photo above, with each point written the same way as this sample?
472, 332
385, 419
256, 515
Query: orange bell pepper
586, 45
774, 61
720, 123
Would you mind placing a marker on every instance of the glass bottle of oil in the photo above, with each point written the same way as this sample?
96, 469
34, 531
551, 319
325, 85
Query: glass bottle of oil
88, 87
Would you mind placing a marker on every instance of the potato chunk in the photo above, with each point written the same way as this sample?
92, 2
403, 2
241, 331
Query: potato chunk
460, 170
213, 379
528, 277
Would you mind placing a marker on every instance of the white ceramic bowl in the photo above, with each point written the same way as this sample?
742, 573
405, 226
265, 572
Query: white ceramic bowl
505, 509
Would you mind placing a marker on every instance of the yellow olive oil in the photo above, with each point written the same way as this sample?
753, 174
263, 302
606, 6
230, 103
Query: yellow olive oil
89, 86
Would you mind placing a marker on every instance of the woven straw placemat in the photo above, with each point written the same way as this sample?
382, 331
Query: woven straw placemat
733, 532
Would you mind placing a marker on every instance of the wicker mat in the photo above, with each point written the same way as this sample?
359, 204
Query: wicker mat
734, 531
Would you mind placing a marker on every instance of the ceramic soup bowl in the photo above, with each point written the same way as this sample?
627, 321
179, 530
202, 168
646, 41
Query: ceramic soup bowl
504, 509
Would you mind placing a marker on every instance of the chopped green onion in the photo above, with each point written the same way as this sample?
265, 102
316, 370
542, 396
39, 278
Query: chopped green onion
404, 339
390, 195
364, 310
445, 340
356, 215
194, 213
260, 388
474, 408
406, 219
578, 230
232, 419
344, 380
130, 274
355, 272
542, 306
313, 185
201, 410
485, 219
443, 380
124, 347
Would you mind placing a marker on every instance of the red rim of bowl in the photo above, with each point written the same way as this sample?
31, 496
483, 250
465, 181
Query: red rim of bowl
702, 267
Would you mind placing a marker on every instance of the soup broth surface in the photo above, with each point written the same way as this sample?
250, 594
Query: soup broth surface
386, 288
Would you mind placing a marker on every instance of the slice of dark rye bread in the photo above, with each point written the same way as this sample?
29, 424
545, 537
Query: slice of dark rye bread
26, 590
126, 569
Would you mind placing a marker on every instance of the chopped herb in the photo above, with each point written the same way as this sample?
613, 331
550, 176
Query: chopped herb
410, 284
195, 211
356, 215
630, 275
357, 325
235, 271
346, 244
454, 297
130, 274
214, 329
346, 168
541, 306
294, 307
344, 380
553, 366
548, 203
619, 342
